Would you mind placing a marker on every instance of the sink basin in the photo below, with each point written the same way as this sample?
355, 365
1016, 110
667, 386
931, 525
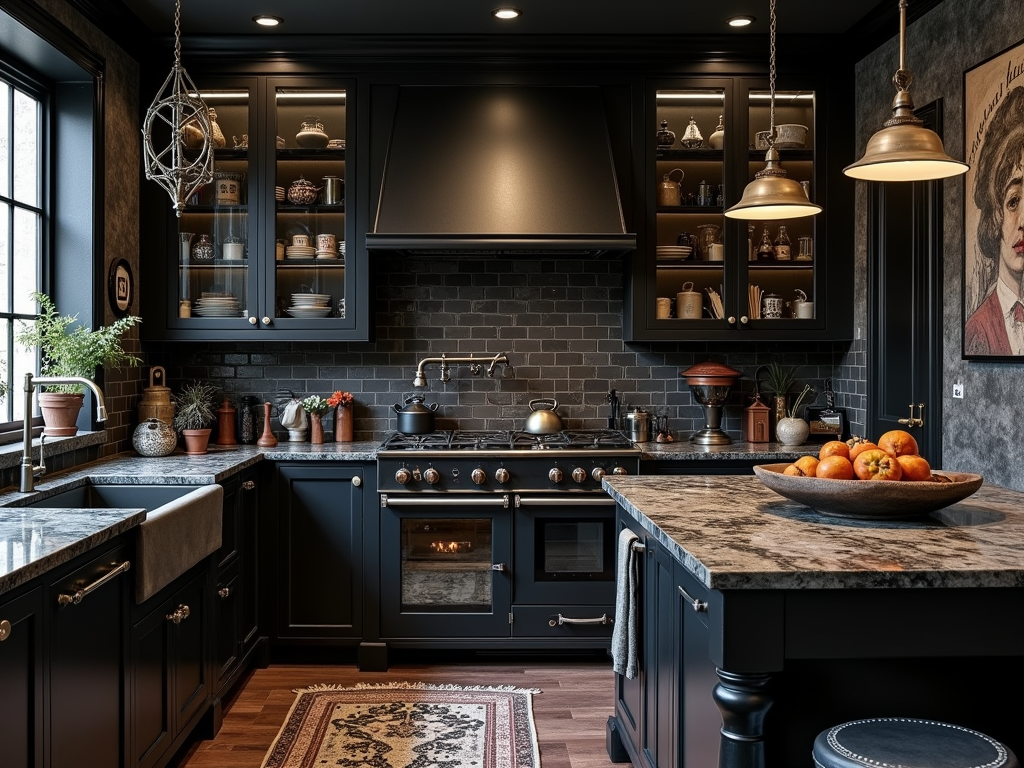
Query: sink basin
148, 497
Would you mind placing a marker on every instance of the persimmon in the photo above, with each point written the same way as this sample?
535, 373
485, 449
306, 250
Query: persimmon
898, 442
835, 468
859, 448
914, 467
852, 440
834, 448
876, 464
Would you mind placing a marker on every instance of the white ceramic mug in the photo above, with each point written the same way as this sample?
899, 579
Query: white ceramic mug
663, 307
717, 252
805, 310
300, 240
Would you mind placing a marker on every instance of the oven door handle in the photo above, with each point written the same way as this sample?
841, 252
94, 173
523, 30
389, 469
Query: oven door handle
564, 501
489, 500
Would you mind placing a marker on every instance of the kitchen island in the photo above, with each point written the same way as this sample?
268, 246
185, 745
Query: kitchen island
782, 621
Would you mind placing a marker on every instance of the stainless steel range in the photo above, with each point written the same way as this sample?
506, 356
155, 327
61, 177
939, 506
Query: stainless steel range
499, 538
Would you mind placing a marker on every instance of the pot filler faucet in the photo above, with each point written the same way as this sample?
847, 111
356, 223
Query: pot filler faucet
475, 366
29, 473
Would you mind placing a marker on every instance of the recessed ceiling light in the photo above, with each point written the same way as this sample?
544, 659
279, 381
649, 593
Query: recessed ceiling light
265, 20
740, 21
506, 13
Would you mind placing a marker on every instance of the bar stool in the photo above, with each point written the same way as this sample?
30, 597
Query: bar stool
898, 741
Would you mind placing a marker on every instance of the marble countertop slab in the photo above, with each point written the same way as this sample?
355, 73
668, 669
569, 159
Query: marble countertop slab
731, 532
686, 451
33, 541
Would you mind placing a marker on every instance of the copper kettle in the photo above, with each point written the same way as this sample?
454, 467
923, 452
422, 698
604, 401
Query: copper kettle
669, 192
156, 400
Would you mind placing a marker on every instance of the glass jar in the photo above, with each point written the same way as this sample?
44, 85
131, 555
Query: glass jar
247, 420
202, 249
664, 139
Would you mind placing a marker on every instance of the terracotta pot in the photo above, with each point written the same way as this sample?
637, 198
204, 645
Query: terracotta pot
60, 413
196, 441
344, 424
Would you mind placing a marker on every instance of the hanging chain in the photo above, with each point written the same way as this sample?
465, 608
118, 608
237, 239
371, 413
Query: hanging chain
771, 68
177, 33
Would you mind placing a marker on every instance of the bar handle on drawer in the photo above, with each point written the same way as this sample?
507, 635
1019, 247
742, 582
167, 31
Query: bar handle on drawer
636, 546
602, 619
77, 597
699, 606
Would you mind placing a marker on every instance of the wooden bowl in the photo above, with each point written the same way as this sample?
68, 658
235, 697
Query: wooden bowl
870, 499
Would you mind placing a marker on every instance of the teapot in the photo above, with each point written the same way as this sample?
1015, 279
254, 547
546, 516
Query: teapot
669, 193
302, 192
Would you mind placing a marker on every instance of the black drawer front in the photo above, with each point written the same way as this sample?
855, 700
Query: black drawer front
558, 621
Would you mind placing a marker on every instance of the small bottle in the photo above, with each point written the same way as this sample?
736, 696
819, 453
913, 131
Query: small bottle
751, 253
766, 251
783, 251
184, 308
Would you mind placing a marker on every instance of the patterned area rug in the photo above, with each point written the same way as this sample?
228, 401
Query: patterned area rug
408, 725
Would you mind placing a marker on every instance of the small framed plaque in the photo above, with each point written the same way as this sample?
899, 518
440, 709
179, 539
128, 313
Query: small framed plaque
121, 287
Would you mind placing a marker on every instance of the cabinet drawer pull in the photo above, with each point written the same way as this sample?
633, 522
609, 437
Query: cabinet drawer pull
77, 597
248, 485
699, 606
357, 481
179, 615
5, 630
224, 592
602, 619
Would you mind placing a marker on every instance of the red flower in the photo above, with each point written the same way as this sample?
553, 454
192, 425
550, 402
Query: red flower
339, 398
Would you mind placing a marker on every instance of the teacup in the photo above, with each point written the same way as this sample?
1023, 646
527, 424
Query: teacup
300, 240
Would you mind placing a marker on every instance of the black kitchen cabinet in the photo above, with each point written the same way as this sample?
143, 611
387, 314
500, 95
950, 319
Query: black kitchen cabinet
235, 599
21, 669
268, 250
320, 511
87, 635
687, 186
170, 667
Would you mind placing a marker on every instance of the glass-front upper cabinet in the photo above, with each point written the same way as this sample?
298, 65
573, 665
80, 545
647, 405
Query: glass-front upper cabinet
310, 284
216, 235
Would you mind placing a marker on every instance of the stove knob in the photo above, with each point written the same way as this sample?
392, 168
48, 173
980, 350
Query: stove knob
579, 474
479, 476
598, 474
555, 475
501, 475
431, 475
403, 476
619, 471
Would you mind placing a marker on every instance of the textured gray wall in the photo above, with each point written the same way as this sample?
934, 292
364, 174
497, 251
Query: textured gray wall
980, 432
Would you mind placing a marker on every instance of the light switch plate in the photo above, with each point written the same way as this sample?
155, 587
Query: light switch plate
958, 391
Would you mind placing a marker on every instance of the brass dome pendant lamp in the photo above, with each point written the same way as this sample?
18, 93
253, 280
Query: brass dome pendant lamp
176, 109
772, 195
904, 150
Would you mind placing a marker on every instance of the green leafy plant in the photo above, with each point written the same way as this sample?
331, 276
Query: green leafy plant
779, 379
196, 406
77, 351
315, 405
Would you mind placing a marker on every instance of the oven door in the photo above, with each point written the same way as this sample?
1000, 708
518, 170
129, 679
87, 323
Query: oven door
445, 566
565, 550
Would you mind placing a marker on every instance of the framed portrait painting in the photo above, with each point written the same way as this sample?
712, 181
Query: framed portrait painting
993, 295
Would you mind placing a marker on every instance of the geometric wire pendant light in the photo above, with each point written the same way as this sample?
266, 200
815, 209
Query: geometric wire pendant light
176, 109
772, 195
904, 150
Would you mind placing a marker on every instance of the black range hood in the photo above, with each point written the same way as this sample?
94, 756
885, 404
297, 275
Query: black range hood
499, 170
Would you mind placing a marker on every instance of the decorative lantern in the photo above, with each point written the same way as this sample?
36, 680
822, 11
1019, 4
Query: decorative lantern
755, 426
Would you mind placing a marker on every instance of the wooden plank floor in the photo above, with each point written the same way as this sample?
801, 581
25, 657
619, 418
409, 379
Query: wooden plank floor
570, 714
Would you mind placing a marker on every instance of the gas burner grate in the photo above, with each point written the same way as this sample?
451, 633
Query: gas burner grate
501, 440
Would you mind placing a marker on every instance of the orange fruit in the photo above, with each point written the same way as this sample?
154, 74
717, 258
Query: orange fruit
835, 468
793, 470
854, 439
834, 448
807, 465
914, 467
876, 464
898, 442
864, 445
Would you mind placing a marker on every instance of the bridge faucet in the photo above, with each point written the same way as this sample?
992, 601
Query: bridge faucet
29, 472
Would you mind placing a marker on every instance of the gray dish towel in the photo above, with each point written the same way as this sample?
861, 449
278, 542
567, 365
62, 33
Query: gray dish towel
624, 632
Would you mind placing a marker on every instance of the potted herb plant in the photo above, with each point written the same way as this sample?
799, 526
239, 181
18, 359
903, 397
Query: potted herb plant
195, 414
316, 407
70, 349
779, 380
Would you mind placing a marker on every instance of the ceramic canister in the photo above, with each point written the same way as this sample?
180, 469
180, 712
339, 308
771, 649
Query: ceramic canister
689, 304
771, 306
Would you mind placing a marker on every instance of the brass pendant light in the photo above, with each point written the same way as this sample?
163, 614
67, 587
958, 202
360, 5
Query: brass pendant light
771, 195
904, 150
176, 109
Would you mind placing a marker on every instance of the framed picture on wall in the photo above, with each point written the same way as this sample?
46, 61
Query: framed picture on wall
993, 292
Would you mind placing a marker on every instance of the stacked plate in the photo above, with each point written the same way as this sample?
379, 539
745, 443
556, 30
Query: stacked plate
673, 252
310, 305
299, 252
279, 194
216, 305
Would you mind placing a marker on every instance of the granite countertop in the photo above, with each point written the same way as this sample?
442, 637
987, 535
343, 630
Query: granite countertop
731, 532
